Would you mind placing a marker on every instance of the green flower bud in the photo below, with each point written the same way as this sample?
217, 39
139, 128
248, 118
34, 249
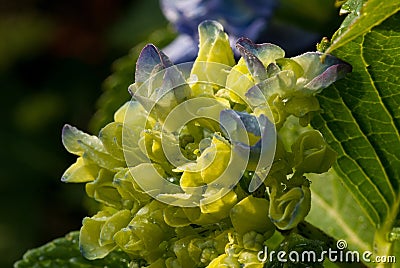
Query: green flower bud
301, 106
289, 207
253, 241
312, 154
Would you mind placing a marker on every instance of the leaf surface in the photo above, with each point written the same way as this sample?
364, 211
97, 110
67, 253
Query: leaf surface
363, 16
361, 119
343, 218
64, 252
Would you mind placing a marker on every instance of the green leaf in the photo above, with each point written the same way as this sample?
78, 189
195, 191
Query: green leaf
343, 218
364, 15
361, 122
64, 252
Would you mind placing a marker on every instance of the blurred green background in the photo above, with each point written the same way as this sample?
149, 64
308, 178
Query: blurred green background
54, 57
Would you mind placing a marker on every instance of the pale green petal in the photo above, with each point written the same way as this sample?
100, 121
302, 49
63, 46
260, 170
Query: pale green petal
214, 60
175, 216
82, 171
251, 214
73, 138
131, 114
103, 190
111, 137
112, 225
89, 236
238, 82
266, 53
221, 207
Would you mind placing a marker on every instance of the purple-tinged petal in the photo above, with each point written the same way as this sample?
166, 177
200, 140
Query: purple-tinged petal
261, 154
266, 53
159, 84
329, 76
151, 60
253, 63
249, 121
235, 124
320, 70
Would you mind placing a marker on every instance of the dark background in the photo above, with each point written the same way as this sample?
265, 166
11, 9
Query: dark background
54, 57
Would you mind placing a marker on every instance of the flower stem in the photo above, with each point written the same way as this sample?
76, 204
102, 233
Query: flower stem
383, 247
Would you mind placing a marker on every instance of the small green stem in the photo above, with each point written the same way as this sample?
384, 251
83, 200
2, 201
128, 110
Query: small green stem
383, 247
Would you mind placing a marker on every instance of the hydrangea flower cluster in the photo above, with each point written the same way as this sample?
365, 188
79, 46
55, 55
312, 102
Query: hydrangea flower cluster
193, 171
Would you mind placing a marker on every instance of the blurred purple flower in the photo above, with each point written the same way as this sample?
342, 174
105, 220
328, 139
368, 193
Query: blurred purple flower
240, 18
